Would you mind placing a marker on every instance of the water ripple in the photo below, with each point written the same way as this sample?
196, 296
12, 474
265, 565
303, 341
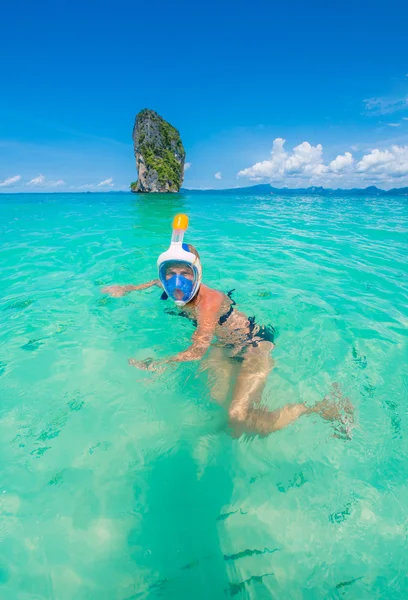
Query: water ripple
133, 473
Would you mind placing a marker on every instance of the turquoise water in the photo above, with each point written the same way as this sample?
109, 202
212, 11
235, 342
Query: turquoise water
122, 484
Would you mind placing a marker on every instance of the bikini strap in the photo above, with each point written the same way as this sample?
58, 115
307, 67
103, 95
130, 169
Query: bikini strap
225, 317
229, 294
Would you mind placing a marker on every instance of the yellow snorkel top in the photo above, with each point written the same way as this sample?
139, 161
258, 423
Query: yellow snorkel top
180, 224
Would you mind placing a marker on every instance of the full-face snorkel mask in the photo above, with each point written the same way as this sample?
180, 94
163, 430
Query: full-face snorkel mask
180, 270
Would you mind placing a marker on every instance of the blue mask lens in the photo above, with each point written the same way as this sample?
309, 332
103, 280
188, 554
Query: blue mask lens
179, 282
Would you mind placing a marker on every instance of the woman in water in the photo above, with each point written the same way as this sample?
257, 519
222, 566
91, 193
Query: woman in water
242, 345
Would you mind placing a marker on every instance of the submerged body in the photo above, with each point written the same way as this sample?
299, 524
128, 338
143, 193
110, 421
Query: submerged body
238, 362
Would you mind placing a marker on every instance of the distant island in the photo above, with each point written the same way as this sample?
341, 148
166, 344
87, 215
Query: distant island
263, 189
159, 154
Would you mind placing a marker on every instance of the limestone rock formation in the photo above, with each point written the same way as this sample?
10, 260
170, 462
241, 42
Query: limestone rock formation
159, 153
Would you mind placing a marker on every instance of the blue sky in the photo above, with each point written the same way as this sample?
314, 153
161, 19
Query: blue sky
235, 78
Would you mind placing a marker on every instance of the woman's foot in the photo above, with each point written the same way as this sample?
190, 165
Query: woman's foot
335, 407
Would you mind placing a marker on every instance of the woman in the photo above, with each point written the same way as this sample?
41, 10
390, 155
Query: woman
242, 345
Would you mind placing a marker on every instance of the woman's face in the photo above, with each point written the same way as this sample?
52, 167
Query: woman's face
179, 269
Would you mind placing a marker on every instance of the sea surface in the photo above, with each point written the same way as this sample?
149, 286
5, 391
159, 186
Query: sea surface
119, 484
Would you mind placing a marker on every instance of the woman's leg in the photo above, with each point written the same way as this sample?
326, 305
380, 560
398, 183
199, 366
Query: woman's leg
261, 421
250, 383
251, 380
221, 370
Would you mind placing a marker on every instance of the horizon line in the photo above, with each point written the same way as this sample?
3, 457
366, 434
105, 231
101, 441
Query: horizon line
229, 189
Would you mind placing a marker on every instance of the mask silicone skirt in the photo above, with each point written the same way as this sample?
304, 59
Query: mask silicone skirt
179, 280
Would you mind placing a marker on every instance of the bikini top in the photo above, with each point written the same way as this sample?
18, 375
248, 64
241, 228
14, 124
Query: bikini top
183, 313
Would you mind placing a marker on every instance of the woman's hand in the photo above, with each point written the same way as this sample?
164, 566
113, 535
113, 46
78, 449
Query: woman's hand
148, 364
116, 291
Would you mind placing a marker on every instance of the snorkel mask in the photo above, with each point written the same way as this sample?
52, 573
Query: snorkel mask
180, 270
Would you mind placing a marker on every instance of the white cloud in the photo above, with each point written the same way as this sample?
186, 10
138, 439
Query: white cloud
187, 166
405, 118
106, 182
392, 162
394, 124
218, 175
305, 159
10, 181
42, 181
341, 162
384, 105
95, 187
305, 162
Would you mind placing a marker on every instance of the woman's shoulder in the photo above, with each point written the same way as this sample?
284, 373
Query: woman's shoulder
210, 292
213, 297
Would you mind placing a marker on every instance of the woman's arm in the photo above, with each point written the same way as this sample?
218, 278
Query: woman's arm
116, 291
207, 320
200, 341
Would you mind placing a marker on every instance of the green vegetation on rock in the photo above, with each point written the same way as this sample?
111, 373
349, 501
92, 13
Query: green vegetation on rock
159, 154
